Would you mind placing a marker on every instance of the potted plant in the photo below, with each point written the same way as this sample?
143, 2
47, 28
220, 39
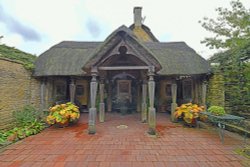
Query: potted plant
216, 110
189, 113
122, 102
63, 114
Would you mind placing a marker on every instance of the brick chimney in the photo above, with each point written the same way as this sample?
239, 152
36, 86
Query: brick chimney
137, 16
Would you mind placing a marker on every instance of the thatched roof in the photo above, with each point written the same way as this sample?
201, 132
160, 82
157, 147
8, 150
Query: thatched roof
177, 58
68, 58
65, 58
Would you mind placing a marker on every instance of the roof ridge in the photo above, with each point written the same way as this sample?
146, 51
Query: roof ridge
172, 42
147, 30
76, 44
82, 41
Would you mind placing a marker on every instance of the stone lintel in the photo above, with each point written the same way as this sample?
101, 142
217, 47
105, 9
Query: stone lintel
124, 68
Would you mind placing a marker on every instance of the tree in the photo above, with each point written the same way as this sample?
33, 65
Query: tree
232, 33
231, 27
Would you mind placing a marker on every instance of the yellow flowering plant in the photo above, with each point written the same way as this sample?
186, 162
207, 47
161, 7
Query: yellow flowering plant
63, 113
189, 112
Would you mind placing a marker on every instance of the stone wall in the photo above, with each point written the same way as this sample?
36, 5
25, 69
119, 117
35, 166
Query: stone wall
17, 88
216, 90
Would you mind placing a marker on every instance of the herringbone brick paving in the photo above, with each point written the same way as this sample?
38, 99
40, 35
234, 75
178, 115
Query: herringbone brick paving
129, 146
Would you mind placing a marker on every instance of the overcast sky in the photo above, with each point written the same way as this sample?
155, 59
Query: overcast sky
35, 25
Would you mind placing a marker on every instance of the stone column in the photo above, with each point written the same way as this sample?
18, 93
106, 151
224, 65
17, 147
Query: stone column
92, 110
204, 94
101, 104
138, 99
173, 104
151, 110
109, 100
48, 93
72, 90
42, 93
196, 91
144, 102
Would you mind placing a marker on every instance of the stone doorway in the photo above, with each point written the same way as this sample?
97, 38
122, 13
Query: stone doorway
124, 93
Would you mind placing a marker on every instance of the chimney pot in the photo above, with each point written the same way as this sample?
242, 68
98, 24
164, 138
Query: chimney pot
137, 16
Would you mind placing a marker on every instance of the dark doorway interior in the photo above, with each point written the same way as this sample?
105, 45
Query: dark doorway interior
124, 93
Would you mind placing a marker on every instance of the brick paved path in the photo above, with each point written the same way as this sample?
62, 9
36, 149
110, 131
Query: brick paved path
124, 147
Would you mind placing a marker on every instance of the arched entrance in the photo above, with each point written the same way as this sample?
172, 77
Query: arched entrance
124, 93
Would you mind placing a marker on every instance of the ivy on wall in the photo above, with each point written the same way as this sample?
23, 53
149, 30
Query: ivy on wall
216, 91
17, 55
235, 68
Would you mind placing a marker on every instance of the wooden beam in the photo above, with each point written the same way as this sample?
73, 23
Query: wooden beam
124, 68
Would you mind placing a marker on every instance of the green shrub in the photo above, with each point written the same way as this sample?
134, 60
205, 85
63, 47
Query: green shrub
27, 116
217, 110
18, 133
29, 121
3, 138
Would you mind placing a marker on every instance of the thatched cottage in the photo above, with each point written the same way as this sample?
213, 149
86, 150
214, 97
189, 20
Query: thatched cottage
130, 69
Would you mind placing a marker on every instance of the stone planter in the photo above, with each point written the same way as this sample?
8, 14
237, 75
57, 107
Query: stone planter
192, 124
62, 125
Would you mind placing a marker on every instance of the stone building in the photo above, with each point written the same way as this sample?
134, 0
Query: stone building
130, 69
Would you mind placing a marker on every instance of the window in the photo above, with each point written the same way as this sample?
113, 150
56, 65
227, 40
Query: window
168, 90
60, 91
187, 89
124, 87
79, 90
